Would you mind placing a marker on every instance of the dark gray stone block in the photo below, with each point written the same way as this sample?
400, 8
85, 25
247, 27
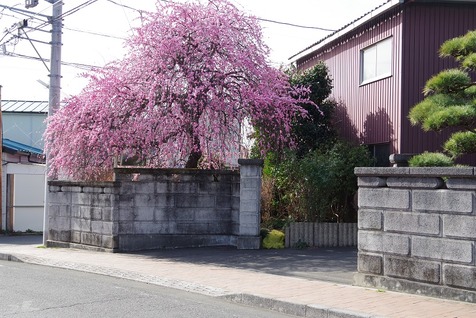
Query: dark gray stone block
412, 269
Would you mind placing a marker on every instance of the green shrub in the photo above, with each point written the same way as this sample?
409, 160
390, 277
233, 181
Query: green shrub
431, 159
318, 187
274, 239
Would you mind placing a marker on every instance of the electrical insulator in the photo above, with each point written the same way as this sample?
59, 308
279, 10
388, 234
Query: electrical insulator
31, 3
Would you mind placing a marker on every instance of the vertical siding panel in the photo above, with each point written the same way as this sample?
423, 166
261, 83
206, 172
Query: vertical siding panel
365, 105
435, 23
418, 30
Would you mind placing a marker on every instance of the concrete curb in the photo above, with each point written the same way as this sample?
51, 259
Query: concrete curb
301, 310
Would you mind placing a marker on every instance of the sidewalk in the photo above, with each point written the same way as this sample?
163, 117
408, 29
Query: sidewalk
300, 282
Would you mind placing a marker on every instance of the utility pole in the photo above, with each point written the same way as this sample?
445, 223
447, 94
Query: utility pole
1, 160
55, 91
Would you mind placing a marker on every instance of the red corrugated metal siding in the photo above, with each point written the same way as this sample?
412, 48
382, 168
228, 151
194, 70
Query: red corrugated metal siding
370, 113
425, 28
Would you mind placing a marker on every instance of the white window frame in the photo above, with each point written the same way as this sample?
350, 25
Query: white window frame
380, 63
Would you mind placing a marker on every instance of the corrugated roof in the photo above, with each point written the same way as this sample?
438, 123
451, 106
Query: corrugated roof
384, 7
19, 147
24, 106
347, 28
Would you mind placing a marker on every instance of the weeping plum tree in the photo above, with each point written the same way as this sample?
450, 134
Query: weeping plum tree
193, 73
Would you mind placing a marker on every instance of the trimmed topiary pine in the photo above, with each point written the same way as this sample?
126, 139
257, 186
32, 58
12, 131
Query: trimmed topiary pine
450, 102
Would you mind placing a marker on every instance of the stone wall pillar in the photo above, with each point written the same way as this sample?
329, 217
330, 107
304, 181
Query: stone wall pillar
250, 205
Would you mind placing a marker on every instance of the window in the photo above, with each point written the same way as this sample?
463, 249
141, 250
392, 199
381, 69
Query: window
376, 61
380, 153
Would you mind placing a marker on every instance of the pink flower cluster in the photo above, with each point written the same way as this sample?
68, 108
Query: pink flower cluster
193, 73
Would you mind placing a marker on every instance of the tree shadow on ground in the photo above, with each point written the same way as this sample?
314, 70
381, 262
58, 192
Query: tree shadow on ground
328, 264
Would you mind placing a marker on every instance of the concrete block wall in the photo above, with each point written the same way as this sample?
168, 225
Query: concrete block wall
159, 208
163, 207
321, 234
83, 214
417, 230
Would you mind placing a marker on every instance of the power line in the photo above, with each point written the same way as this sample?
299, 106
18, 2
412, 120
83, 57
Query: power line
71, 64
95, 33
258, 18
295, 25
76, 9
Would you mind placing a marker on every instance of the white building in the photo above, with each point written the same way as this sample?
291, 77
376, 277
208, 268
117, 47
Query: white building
23, 172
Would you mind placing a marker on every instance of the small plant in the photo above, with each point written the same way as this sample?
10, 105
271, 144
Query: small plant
431, 159
300, 245
274, 239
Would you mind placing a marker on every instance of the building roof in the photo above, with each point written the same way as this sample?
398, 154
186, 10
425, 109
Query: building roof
386, 6
24, 106
11, 146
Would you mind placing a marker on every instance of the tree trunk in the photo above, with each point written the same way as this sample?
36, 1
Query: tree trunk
193, 159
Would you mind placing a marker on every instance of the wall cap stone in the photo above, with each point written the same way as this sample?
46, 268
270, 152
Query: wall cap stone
415, 171
251, 162
167, 171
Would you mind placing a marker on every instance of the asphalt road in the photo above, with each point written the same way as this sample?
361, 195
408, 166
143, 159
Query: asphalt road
37, 291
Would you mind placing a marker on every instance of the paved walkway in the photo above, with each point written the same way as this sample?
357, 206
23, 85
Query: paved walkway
299, 282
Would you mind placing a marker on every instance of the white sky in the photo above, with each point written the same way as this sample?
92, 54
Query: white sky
19, 76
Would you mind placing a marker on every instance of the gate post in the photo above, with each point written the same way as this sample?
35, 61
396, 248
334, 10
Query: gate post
250, 203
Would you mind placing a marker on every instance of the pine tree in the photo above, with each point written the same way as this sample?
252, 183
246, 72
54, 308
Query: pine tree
451, 100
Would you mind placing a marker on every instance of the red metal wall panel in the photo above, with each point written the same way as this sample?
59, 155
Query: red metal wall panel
425, 27
369, 113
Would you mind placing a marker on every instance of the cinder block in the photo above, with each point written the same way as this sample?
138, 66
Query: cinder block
52, 188
109, 241
223, 201
412, 222
93, 190
383, 242
371, 182
126, 214
442, 249
459, 226
248, 242
81, 225
59, 235
415, 183
251, 183
151, 228
60, 198
91, 239
185, 187
412, 269
249, 206
459, 276
76, 189
165, 200
144, 213
101, 227
443, 200
75, 237
370, 219
369, 263
194, 201
215, 215
461, 183
384, 198
107, 214
182, 214
144, 200
246, 230
250, 194
144, 187
111, 190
